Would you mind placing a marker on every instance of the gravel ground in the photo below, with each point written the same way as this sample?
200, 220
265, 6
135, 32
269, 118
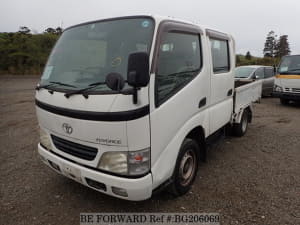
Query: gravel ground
250, 180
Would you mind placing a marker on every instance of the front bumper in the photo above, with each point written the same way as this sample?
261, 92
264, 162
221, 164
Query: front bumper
287, 95
137, 188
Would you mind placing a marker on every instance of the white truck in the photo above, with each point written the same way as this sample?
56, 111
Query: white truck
287, 81
125, 105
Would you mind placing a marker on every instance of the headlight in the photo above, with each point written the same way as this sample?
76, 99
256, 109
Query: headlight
115, 162
126, 163
277, 88
44, 139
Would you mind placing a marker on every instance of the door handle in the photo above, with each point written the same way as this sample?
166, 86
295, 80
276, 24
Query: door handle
229, 93
202, 102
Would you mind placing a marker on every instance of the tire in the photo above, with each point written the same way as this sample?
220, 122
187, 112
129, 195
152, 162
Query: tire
284, 101
186, 167
240, 129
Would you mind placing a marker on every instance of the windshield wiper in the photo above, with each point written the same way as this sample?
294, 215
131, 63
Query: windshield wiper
53, 83
184, 73
83, 90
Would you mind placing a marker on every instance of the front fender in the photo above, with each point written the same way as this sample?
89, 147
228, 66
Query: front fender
164, 166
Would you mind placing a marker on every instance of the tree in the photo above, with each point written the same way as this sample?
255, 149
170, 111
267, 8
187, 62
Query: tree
58, 30
23, 52
270, 45
237, 60
248, 56
51, 30
24, 30
282, 46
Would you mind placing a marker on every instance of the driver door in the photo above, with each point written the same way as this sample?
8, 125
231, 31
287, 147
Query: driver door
181, 84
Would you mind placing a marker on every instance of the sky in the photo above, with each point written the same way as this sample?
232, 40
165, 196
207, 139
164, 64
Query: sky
249, 21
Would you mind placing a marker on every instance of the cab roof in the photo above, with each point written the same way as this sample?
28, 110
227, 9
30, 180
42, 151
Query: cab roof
158, 19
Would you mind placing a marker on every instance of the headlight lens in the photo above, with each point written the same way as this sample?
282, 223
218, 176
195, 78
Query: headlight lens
115, 162
44, 139
277, 88
126, 163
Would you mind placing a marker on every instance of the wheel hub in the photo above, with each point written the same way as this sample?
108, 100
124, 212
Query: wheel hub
187, 167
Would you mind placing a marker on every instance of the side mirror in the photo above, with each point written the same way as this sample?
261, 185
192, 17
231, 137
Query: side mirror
138, 69
256, 77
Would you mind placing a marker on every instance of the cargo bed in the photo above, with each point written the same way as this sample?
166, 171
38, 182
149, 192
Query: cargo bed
245, 93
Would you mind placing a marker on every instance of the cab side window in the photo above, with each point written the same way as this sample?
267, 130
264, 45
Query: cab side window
178, 62
220, 55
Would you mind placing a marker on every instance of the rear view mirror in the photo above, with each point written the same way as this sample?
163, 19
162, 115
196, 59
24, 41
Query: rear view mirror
138, 69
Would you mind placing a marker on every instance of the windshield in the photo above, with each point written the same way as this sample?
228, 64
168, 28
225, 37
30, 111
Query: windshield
243, 72
86, 53
290, 65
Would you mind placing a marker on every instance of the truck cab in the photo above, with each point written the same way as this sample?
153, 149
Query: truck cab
287, 81
125, 105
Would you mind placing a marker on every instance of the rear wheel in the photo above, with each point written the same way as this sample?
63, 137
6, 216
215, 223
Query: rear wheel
284, 101
186, 167
240, 129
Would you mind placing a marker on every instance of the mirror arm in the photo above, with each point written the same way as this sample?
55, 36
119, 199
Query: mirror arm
135, 95
133, 91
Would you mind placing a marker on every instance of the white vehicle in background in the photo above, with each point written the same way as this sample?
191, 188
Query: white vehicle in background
257, 72
287, 82
126, 105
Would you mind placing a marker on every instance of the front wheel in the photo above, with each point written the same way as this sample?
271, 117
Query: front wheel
240, 129
186, 167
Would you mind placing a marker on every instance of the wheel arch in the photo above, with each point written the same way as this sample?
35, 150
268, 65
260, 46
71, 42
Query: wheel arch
198, 134
238, 116
249, 108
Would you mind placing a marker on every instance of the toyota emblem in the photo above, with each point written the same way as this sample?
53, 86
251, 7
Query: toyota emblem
67, 128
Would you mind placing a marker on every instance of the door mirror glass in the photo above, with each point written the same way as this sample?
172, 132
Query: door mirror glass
138, 69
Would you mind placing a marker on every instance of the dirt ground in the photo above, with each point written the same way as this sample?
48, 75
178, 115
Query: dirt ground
250, 180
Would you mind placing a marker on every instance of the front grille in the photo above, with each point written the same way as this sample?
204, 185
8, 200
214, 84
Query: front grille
78, 150
296, 90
